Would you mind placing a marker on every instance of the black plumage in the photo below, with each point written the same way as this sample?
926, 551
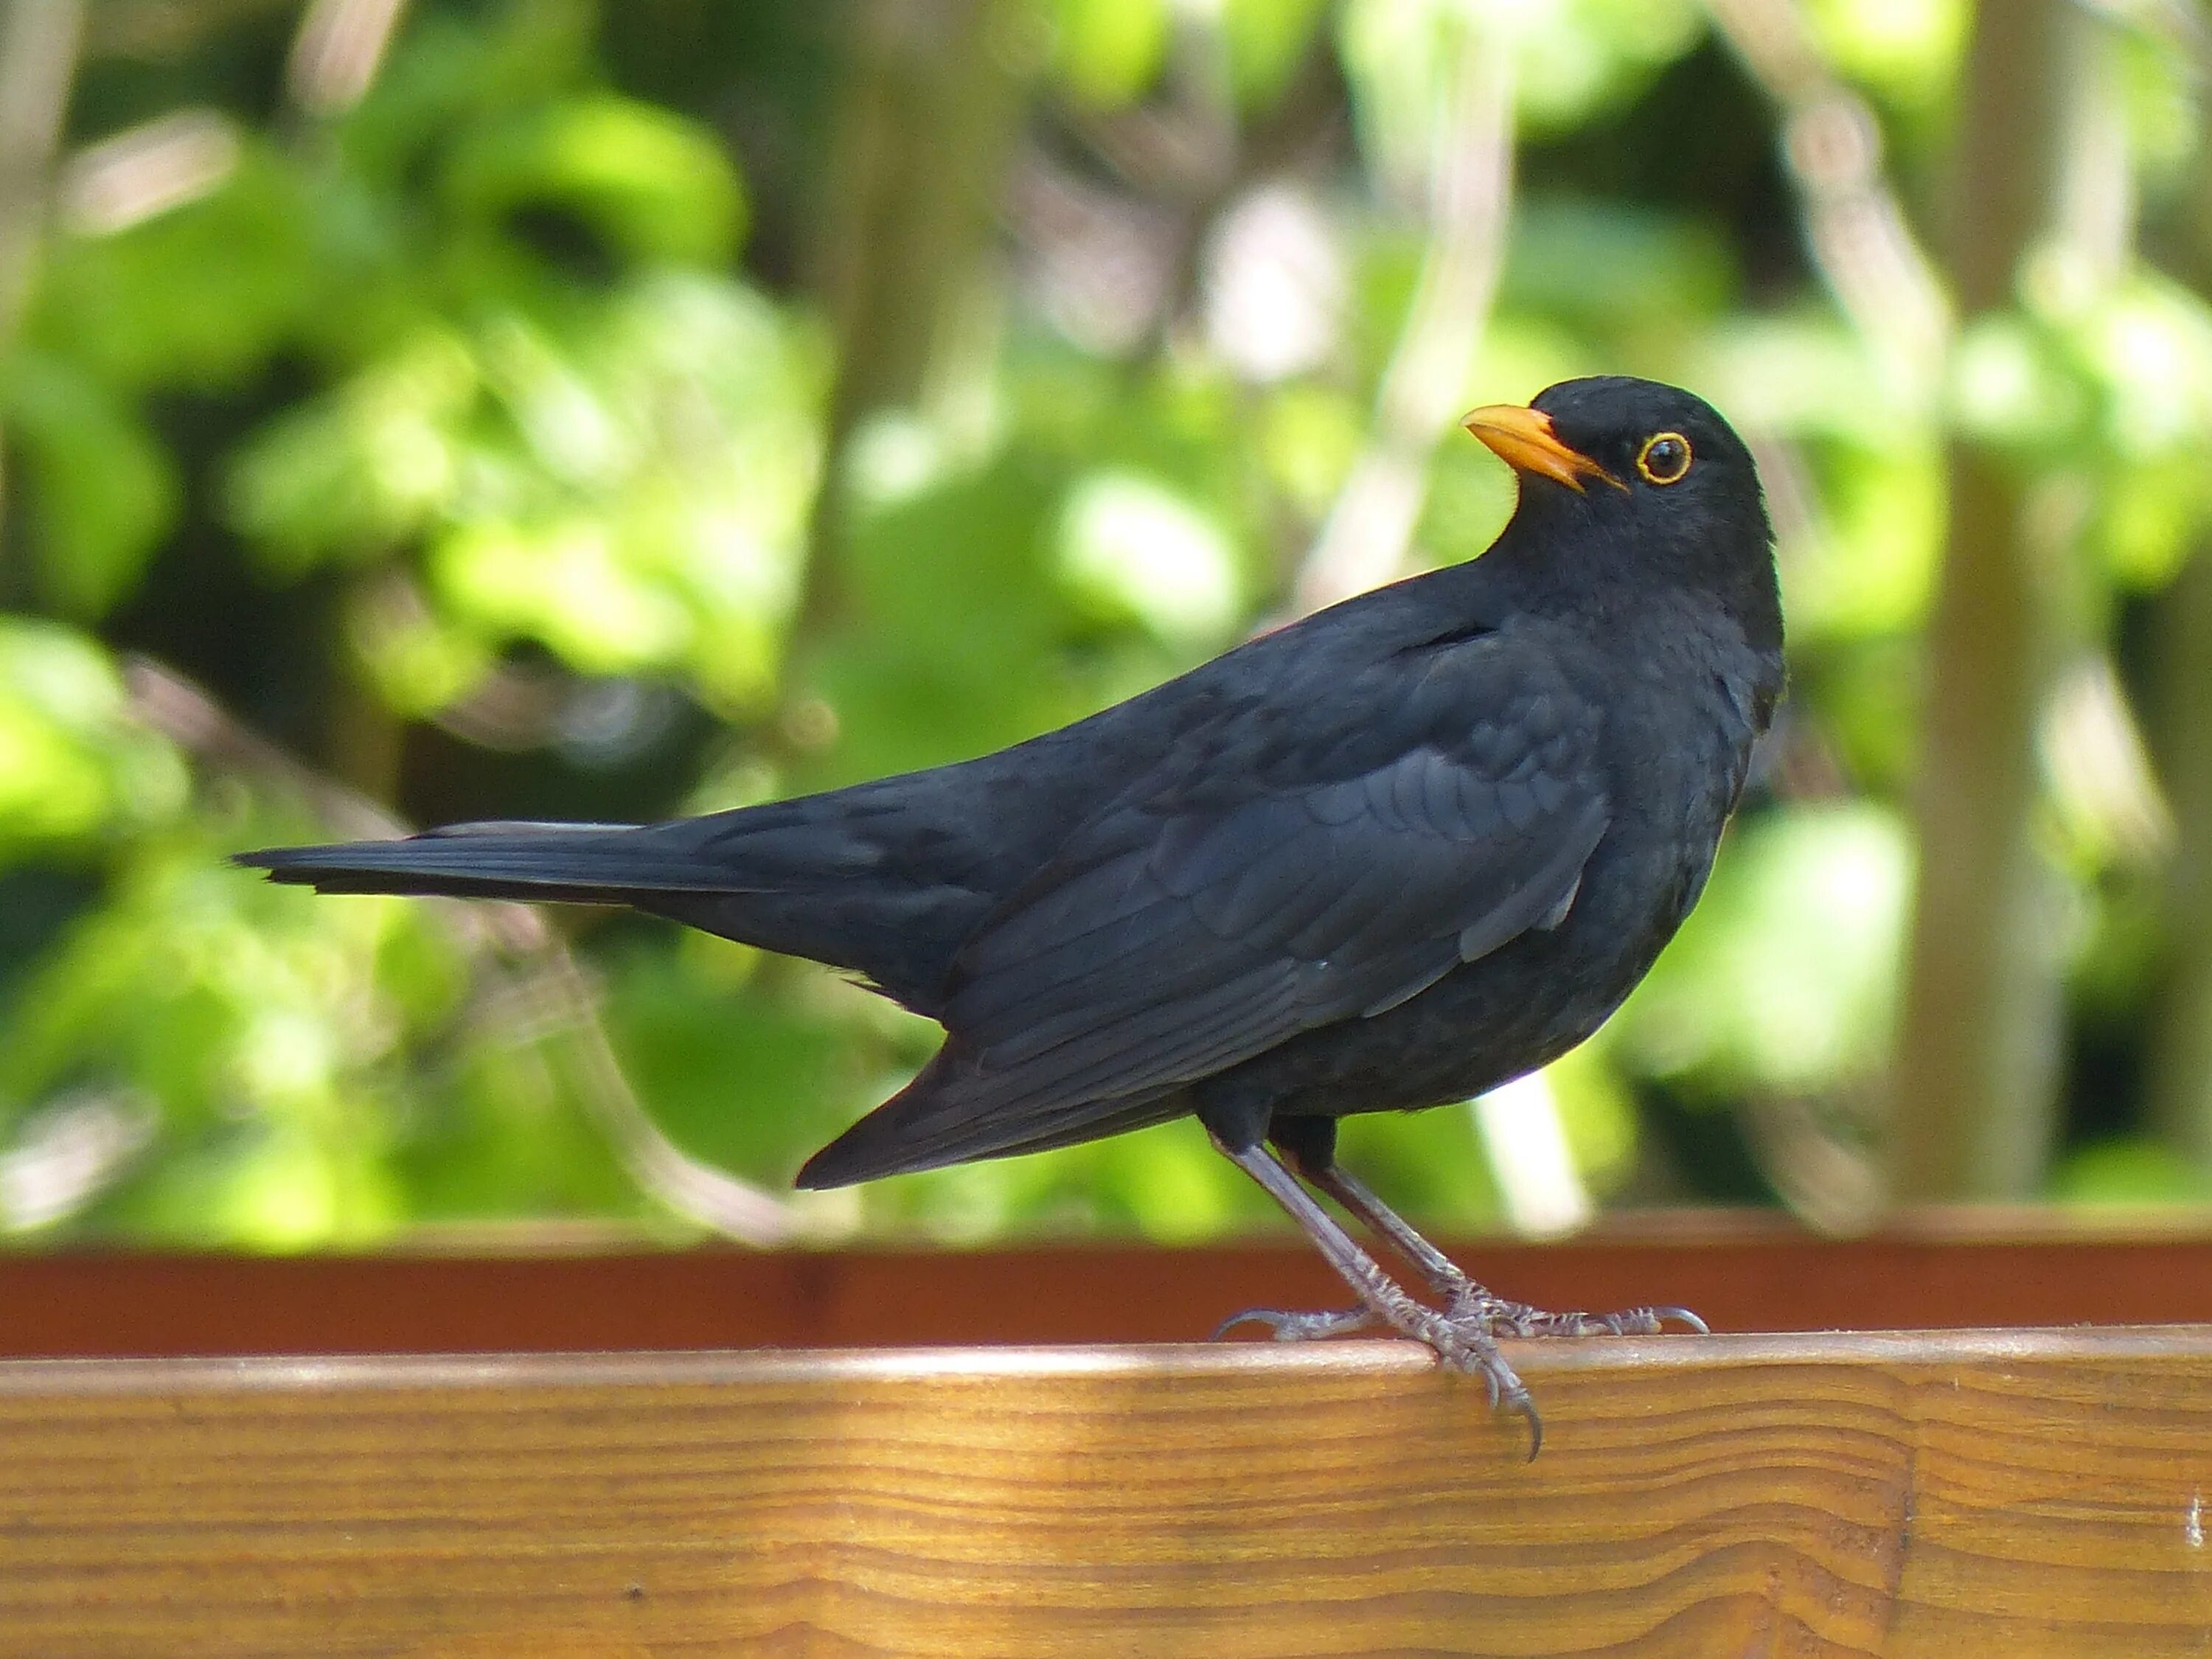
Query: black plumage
1396, 853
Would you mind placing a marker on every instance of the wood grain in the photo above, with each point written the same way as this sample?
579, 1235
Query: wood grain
2015, 1494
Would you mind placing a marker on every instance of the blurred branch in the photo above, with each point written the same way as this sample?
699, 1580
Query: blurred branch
38, 43
905, 240
1189, 164
714, 1198
2179, 25
2178, 1084
71, 1147
1831, 146
337, 51
1370, 528
502, 939
1975, 1078
1819, 1157
151, 29
166, 702
145, 171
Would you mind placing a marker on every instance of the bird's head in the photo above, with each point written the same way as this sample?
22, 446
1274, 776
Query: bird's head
1631, 475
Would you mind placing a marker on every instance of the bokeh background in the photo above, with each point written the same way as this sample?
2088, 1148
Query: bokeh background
414, 411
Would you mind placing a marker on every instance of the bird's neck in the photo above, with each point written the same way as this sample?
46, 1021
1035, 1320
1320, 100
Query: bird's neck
1554, 559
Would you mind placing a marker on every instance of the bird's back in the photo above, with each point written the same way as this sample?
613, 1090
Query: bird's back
894, 878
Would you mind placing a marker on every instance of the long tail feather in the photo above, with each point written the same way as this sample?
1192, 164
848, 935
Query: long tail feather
577, 863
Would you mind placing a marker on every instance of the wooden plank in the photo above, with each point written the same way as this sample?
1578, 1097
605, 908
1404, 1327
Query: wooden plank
1741, 1271
2015, 1494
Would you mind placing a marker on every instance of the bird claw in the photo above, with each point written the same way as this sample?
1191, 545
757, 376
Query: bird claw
1285, 1326
1467, 1343
1461, 1342
1500, 1317
1464, 1337
1520, 1401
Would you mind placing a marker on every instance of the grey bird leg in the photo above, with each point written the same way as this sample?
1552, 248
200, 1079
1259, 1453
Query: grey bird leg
1462, 1345
1310, 1143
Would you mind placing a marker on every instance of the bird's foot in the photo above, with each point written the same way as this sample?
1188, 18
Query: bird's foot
1299, 1327
1502, 1318
1463, 1339
1464, 1336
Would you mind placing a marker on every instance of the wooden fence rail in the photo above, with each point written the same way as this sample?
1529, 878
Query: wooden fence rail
1743, 1271
2003, 1493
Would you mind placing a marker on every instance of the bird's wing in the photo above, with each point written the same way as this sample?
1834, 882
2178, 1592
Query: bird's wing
1280, 872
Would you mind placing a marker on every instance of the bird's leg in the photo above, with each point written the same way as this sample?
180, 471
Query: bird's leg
1464, 1297
1311, 1143
1462, 1345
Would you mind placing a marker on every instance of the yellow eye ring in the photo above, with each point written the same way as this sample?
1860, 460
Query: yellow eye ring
1664, 458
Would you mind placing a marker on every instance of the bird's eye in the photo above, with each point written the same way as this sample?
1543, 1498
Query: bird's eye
1664, 458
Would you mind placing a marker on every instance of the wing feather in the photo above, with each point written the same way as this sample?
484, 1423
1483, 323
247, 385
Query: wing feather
1189, 928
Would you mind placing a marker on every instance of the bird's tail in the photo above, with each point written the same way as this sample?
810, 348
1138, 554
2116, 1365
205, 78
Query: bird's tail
574, 863
805, 878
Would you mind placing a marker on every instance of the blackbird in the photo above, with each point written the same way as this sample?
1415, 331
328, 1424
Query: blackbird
1389, 856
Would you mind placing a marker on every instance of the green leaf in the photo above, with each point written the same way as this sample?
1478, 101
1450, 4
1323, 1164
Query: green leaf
1108, 53
74, 765
1133, 549
198, 296
1267, 42
564, 582
103, 491
1784, 977
1906, 50
370, 465
657, 185
2128, 1173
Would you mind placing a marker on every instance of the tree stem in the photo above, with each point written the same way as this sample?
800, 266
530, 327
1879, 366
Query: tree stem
1977, 1059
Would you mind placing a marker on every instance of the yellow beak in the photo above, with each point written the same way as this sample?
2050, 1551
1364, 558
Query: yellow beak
1523, 439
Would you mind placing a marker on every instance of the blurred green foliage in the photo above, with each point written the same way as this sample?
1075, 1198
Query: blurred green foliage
474, 448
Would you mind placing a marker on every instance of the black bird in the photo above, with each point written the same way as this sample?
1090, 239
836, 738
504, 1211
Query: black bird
1393, 855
